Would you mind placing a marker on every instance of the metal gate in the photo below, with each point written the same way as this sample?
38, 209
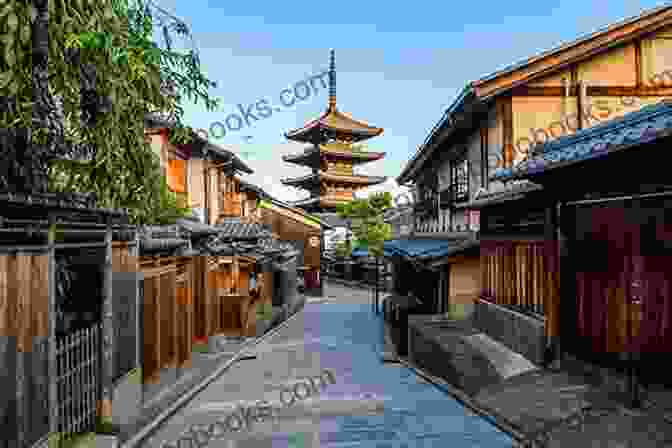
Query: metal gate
78, 360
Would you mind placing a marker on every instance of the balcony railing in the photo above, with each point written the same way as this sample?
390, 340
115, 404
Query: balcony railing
426, 207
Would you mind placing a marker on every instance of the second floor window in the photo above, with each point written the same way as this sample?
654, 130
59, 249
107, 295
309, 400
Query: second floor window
176, 174
459, 180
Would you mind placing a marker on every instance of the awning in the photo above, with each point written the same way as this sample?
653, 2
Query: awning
427, 248
364, 252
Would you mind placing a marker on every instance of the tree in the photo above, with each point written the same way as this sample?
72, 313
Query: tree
343, 249
368, 224
77, 78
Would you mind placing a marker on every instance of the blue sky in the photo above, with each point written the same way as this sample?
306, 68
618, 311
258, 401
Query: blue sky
399, 65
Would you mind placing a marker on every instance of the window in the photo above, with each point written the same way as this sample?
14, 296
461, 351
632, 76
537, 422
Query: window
459, 180
176, 174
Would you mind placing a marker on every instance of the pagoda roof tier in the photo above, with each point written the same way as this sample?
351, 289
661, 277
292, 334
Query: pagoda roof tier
311, 156
307, 180
321, 203
345, 151
354, 179
334, 121
315, 178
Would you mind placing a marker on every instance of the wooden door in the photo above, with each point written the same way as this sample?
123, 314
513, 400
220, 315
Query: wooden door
622, 259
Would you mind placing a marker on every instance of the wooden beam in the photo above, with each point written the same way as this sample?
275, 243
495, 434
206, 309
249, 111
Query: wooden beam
617, 91
545, 64
507, 124
638, 63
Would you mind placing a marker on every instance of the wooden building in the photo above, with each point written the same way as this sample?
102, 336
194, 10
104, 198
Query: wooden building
304, 231
604, 263
203, 175
331, 155
501, 119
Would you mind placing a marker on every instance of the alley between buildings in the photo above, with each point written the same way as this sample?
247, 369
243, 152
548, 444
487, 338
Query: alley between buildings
371, 404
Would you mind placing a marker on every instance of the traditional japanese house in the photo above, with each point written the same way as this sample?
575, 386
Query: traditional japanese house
203, 175
334, 139
303, 231
207, 276
608, 244
500, 119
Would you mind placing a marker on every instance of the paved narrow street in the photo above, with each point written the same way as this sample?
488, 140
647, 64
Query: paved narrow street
371, 404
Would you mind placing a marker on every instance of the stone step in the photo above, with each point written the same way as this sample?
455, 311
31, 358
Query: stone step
506, 362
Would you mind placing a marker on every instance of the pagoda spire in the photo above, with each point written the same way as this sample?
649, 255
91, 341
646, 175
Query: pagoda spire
332, 79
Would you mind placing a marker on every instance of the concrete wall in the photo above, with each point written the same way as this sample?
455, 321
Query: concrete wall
520, 333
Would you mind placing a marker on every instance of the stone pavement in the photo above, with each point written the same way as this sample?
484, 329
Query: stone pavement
560, 408
371, 404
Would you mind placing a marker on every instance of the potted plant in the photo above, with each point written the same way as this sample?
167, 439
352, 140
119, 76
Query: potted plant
264, 317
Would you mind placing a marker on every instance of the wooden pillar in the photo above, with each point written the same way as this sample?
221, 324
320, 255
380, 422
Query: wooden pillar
566, 278
107, 340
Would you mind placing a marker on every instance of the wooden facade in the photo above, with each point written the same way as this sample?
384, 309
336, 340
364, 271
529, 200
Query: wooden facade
574, 87
497, 122
168, 313
290, 225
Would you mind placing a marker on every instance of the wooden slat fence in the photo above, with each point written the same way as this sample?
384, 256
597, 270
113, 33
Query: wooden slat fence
168, 314
125, 267
227, 298
517, 274
185, 311
24, 327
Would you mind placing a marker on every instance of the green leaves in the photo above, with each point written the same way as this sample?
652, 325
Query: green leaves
367, 220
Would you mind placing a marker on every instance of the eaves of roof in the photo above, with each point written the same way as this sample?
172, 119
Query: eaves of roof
649, 123
430, 144
439, 133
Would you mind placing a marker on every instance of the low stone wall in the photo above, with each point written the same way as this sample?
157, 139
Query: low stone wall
438, 346
520, 333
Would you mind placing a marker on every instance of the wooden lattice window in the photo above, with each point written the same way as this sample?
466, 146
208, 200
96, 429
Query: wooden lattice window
516, 274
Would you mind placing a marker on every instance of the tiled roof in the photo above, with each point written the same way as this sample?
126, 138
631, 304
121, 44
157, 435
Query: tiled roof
162, 239
154, 245
635, 128
335, 120
234, 228
195, 228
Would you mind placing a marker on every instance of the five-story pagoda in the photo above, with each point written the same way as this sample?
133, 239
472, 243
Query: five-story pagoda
334, 148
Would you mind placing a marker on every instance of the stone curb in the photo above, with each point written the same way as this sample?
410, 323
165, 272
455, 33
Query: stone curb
490, 415
152, 426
